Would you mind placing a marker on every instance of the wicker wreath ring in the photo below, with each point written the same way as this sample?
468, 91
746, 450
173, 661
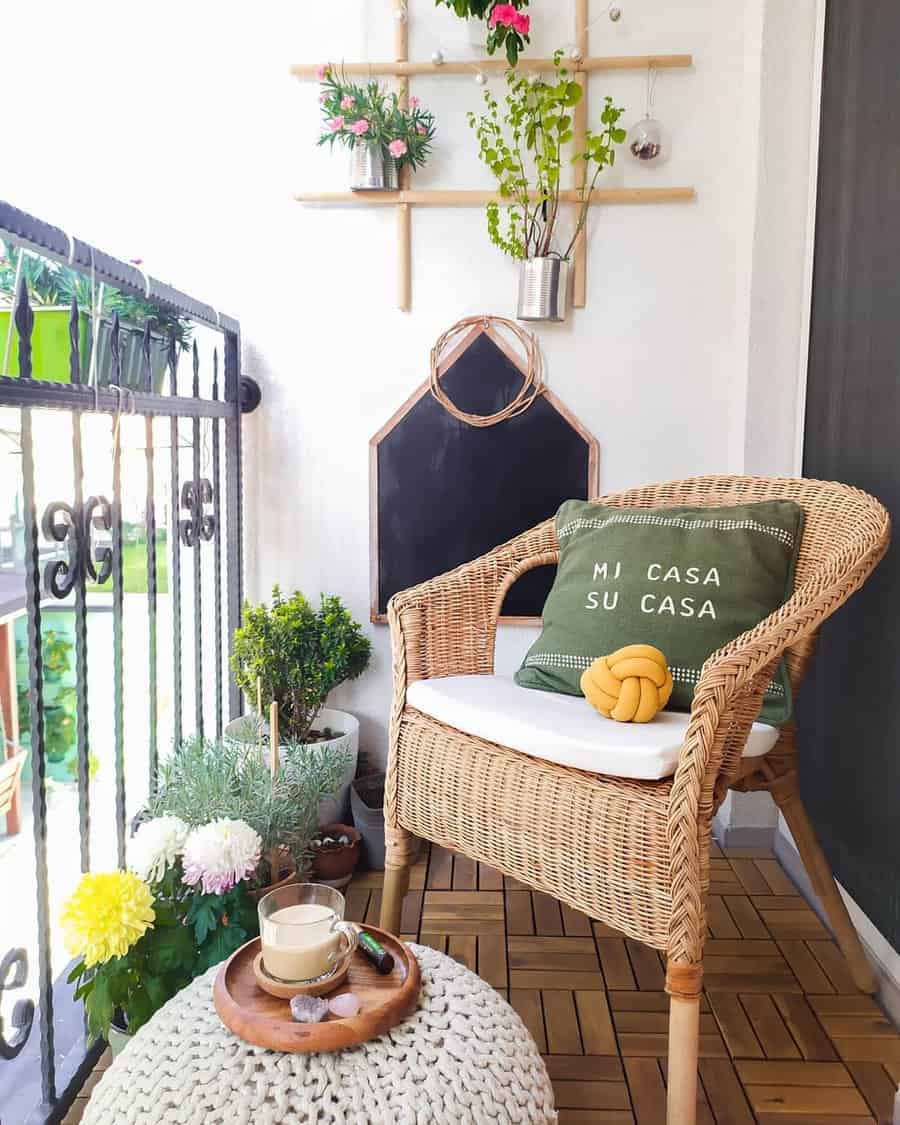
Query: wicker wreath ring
532, 386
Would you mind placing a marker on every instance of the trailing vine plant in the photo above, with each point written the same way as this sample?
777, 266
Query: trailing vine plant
522, 144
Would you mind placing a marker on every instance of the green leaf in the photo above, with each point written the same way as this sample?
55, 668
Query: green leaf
573, 94
76, 972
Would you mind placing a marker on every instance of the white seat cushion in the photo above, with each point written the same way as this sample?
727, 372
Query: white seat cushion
563, 728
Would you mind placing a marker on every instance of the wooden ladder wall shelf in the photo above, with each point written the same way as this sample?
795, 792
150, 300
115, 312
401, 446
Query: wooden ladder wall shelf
402, 69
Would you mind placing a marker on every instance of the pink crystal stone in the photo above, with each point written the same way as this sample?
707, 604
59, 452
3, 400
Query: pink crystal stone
344, 1006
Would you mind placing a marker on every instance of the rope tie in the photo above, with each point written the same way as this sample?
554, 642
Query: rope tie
685, 982
532, 385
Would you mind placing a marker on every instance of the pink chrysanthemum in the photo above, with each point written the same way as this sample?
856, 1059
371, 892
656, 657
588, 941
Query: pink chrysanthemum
220, 854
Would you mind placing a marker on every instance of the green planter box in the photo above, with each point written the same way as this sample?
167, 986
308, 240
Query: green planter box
50, 349
49, 344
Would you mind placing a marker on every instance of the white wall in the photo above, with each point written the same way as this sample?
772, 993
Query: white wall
187, 155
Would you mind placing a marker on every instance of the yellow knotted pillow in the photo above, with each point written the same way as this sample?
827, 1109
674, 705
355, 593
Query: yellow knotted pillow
630, 685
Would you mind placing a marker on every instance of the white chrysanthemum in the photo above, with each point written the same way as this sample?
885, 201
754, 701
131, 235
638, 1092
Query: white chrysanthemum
220, 854
156, 846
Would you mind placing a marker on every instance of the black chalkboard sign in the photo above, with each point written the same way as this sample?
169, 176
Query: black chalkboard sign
445, 492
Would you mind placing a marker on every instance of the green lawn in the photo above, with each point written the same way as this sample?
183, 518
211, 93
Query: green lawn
134, 569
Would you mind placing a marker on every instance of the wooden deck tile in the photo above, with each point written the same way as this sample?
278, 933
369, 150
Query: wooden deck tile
547, 916
527, 1002
561, 1022
832, 961
808, 1100
616, 966
440, 869
770, 1029
877, 1088
597, 1032
724, 1092
519, 916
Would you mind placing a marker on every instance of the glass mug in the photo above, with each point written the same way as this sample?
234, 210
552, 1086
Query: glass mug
302, 929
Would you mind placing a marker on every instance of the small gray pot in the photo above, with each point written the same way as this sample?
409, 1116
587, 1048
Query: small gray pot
372, 169
543, 289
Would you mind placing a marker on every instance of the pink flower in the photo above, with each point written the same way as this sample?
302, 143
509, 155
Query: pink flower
503, 13
336, 124
360, 128
421, 130
348, 101
414, 102
323, 97
322, 71
398, 148
522, 23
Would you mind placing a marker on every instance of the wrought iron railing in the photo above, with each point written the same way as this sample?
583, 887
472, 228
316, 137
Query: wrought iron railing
77, 541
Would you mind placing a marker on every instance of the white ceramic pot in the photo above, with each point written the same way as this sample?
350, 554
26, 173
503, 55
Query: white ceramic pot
336, 808
118, 1039
477, 32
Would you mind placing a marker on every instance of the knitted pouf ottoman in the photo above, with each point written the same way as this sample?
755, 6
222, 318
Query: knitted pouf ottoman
463, 1056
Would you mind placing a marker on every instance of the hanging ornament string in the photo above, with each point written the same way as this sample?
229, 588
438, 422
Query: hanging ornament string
532, 385
652, 75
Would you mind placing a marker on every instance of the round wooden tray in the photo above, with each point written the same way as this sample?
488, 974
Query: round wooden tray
257, 1017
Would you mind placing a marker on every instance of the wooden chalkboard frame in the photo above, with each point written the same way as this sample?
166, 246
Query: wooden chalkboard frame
593, 474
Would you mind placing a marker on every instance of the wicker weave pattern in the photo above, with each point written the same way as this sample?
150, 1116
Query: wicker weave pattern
633, 854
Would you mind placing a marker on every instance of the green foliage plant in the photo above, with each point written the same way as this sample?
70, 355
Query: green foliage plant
204, 781
53, 285
522, 144
300, 654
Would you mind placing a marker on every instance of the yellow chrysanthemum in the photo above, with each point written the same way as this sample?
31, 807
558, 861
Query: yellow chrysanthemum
106, 916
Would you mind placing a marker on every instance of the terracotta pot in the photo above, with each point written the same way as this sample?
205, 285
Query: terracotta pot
288, 875
338, 862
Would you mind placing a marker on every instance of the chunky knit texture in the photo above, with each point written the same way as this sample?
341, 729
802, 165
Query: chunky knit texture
463, 1056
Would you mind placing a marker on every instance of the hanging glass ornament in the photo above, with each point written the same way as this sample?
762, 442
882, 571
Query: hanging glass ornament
647, 141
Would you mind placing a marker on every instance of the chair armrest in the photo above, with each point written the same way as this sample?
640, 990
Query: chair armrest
726, 702
447, 626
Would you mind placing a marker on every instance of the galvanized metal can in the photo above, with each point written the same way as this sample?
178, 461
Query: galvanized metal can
543, 289
372, 169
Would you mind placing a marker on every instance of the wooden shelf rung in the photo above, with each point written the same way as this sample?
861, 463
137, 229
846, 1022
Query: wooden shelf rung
409, 69
437, 198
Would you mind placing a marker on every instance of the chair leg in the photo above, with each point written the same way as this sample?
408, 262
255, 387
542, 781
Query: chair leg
684, 1046
398, 858
787, 797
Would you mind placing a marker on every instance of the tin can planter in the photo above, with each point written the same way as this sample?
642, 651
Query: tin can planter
373, 169
543, 289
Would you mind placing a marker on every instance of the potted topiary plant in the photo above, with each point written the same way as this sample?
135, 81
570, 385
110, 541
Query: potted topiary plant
523, 147
294, 654
205, 781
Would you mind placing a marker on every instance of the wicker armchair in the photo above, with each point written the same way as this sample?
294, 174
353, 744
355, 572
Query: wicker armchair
643, 868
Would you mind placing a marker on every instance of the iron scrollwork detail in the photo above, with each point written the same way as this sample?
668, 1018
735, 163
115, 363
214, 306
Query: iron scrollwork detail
15, 966
195, 496
63, 523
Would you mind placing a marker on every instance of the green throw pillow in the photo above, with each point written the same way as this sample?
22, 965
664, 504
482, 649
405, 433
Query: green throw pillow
687, 580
